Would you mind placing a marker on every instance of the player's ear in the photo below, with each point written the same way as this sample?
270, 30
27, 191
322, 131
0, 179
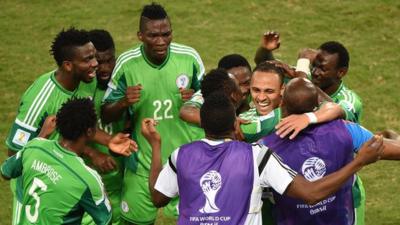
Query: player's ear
139, 35
282, 89
67, 65
342, 72
90, 133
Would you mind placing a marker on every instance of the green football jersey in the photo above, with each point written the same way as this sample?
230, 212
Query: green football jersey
259, 126
160, 97
113, 179
349, 102
55, 186
43, 98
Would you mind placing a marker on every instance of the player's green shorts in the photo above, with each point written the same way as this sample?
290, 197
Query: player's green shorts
136, 204
359, 201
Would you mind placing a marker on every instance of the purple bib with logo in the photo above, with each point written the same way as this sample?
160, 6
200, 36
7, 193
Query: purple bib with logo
316, 152
215, 182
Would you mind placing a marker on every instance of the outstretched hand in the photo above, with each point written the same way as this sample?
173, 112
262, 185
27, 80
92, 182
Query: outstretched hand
122, 144
371, 151
149, 131
270, 40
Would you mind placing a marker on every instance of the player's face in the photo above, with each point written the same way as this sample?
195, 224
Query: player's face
266, 91
84, 63
236, 95
243, 76
324, 72
106, 63
156, 37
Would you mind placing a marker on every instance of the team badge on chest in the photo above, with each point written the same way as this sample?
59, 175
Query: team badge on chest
182, 81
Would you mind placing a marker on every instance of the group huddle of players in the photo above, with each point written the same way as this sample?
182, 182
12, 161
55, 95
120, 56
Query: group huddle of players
239, 145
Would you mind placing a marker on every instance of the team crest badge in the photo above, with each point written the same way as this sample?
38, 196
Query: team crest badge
182, 81
21, 137
313, 169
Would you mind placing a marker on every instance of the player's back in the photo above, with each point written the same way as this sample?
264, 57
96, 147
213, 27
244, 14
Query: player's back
56, 187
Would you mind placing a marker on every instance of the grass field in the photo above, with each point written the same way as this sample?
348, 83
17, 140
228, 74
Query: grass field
370, 29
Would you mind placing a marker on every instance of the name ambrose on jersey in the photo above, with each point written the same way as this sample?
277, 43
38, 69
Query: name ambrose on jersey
47, 170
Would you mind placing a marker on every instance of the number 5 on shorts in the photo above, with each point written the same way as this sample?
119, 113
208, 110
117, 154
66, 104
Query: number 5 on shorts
37, 183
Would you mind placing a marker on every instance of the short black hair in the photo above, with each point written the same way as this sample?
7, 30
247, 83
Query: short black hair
233, 60
271, 68
75, 117
101, 40
333, 47
217, 114
63, 45
152, 11
217, 80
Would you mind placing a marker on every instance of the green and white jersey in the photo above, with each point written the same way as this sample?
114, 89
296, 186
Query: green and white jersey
54, 185
259, 126
196, 100
349, 102
112, 180
160, 97
43, 98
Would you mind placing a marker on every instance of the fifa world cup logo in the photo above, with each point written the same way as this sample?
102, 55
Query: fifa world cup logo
210, 183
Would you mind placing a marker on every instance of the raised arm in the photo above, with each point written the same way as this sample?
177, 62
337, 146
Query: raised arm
153, 137
269, 42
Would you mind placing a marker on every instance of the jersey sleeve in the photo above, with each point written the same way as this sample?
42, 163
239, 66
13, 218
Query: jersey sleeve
167, 181
276, 174
359, 135
100, 209
197, 100
352, 107
116, 86
12, 167
30, 115
199, 70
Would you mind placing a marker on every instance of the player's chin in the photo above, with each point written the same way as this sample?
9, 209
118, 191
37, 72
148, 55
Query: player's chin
88, 79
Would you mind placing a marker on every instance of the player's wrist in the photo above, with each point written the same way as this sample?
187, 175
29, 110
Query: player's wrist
312, 118
303, 65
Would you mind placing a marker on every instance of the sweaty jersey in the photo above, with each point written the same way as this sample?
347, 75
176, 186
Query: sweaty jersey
160, 98
349, 102
54, 186
259, 126
43, 98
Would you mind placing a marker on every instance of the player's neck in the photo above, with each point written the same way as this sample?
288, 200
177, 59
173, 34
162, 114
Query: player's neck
220, 137
66, 80
73, 146
332, 89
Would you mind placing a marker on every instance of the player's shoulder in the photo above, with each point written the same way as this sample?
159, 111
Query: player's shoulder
40, 142
92, 179
349, 95
43, 82
184, 50
129, 55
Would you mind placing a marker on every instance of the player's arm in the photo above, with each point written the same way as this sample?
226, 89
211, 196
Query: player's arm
190, 111
95, 202
295, 123
12, 167
269, 42
313, 192
158, 198
118, 97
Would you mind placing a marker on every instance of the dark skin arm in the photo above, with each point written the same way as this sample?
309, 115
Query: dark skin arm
150, 133
314, 192
392, 149
111, 112
269, 42
190, 114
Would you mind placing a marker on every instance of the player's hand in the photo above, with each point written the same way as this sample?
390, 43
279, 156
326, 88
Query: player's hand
149, 131
238, 131
122, 144
102, 162
48, 127
371, 151
308, 53
186, 94
292, 124
270, 40
132, 95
